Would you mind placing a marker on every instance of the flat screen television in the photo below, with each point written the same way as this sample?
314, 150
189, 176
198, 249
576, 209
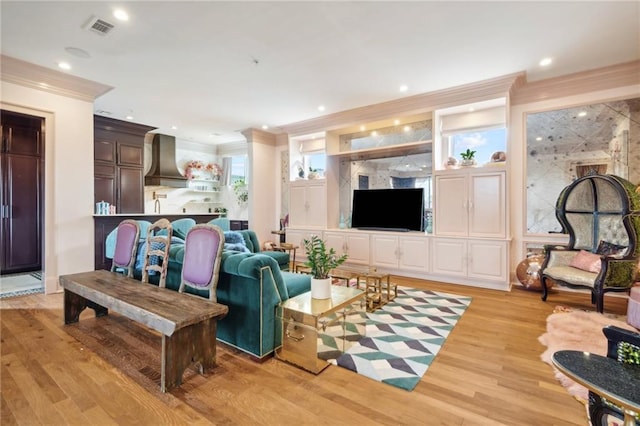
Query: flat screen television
388, 209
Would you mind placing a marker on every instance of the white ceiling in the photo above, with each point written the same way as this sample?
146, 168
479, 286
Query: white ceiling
219, 67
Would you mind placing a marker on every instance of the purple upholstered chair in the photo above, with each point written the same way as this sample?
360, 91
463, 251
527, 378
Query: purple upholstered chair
201, 263
126, 246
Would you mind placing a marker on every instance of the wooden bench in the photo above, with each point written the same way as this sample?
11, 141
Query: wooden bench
188, 323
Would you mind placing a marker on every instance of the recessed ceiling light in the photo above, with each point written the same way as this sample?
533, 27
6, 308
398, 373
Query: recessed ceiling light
129, 117
121, 15
407, 128
396, 122
265, 127
374, 133
64, 65
404, 88
538, 138
471, 109
320, 107
546, 62
174, 127
77, 52
582, 113
362, 128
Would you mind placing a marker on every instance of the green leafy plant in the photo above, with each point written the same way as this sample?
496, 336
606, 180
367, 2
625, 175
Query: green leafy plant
628, 353
240, 189
468, 154
320, 260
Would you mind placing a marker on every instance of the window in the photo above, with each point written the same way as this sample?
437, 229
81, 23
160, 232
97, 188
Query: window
238, 168
484, 141
315, 161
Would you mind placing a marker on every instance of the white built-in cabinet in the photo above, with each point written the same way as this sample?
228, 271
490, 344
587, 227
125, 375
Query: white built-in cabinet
400, 253
354, 244
297, 237
308, 203
470, 203
482, 259
470, 226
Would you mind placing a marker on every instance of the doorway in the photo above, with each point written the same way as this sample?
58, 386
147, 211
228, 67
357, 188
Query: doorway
22, 159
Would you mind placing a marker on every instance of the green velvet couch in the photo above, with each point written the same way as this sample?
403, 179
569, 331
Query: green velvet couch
251, 284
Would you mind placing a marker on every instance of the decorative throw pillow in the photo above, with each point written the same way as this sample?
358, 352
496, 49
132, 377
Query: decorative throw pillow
233, 237
606, 248
236, 247
586, 261
234, 240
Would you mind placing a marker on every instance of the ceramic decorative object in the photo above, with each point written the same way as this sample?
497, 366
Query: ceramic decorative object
321, 288
528, 272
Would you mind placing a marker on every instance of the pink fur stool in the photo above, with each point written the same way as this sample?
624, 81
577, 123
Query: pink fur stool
633, 310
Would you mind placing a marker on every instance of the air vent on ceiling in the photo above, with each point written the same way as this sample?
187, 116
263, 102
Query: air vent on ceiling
98, 26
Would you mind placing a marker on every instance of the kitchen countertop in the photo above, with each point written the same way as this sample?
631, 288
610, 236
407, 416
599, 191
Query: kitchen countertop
154, 214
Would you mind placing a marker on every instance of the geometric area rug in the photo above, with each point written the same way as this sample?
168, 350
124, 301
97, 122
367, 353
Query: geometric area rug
404, 336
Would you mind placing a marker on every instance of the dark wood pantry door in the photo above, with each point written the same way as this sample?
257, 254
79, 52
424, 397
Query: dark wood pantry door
21, 192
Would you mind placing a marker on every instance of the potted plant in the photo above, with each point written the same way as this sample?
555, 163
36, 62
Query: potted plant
240, 189
468, 158
321, 261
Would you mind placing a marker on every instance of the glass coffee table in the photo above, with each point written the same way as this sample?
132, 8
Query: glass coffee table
316, 331
377, 286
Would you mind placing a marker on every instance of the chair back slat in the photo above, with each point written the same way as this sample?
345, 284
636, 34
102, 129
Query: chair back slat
156, 258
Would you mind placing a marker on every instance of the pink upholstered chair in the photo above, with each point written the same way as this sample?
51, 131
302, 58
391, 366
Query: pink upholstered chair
156, 258
126, 247
201, 263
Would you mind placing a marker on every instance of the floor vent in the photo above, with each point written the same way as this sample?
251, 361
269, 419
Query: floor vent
99, 26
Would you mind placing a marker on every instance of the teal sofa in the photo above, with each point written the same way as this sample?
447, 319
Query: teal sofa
251, 284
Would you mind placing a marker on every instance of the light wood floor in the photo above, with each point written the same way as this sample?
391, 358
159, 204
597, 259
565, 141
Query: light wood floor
489, 372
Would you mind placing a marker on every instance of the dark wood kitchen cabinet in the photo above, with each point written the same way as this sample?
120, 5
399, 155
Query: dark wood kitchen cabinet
21, 192
119, 163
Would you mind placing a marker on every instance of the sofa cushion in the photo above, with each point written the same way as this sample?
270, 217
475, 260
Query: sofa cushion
179, 227
296, 283
222, 223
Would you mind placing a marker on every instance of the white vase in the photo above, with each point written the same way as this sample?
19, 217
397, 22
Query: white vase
321, 289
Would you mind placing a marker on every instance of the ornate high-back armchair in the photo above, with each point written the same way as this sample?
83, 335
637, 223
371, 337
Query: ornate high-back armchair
601, 214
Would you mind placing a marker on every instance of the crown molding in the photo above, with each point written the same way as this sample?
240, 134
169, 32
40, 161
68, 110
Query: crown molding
259, 136
611, 77
416, 104
26, 74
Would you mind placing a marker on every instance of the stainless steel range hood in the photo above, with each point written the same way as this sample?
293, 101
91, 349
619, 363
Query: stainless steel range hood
164, 171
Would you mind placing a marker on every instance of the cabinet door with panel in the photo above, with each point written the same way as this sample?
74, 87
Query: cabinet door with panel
21, 192
129, 198
486, 260
308, 203
398, 252
354, 244
451, 205
487, 205
470, 204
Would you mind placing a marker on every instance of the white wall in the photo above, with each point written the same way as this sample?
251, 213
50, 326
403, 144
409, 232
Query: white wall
68, 225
